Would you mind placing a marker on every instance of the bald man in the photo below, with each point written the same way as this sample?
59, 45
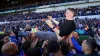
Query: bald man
9, 48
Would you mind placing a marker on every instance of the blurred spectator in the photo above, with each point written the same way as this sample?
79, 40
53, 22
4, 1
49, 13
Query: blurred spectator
9, 48
88, 47
25, 46
54, 48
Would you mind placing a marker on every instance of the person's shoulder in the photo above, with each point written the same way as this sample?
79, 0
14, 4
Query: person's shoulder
78, 55
95, 53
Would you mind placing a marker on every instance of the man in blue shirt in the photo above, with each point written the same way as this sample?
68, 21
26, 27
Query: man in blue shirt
88, 47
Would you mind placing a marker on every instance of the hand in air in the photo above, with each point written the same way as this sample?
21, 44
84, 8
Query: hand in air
49, 23
49, 17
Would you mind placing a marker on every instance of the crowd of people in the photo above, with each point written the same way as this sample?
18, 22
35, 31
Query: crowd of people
91, 10
80, 24
36, 4
31, 42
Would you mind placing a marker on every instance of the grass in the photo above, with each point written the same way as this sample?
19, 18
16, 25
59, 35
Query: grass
83, 37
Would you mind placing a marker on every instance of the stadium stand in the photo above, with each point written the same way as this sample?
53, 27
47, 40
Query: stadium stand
91, 10
37, 4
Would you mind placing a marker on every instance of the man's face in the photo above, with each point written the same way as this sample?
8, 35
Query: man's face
69, 13
84, 46
12, 33
76, 35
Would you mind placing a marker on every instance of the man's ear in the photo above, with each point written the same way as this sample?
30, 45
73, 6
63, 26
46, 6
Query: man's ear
87, 48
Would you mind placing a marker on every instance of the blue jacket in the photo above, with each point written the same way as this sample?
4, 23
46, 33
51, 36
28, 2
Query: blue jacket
77, 46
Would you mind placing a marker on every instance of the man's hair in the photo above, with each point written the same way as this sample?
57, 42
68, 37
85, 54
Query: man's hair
91, 44
72, 10
34, 52
26, 45
53, 47
64, 47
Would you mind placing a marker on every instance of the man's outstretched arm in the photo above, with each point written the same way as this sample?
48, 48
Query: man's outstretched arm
50, 18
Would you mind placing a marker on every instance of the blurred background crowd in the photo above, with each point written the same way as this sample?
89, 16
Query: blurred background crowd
91, 10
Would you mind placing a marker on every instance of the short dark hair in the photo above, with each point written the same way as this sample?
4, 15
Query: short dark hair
91, 44
26, 45
53, 47
34, 52
64, 47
